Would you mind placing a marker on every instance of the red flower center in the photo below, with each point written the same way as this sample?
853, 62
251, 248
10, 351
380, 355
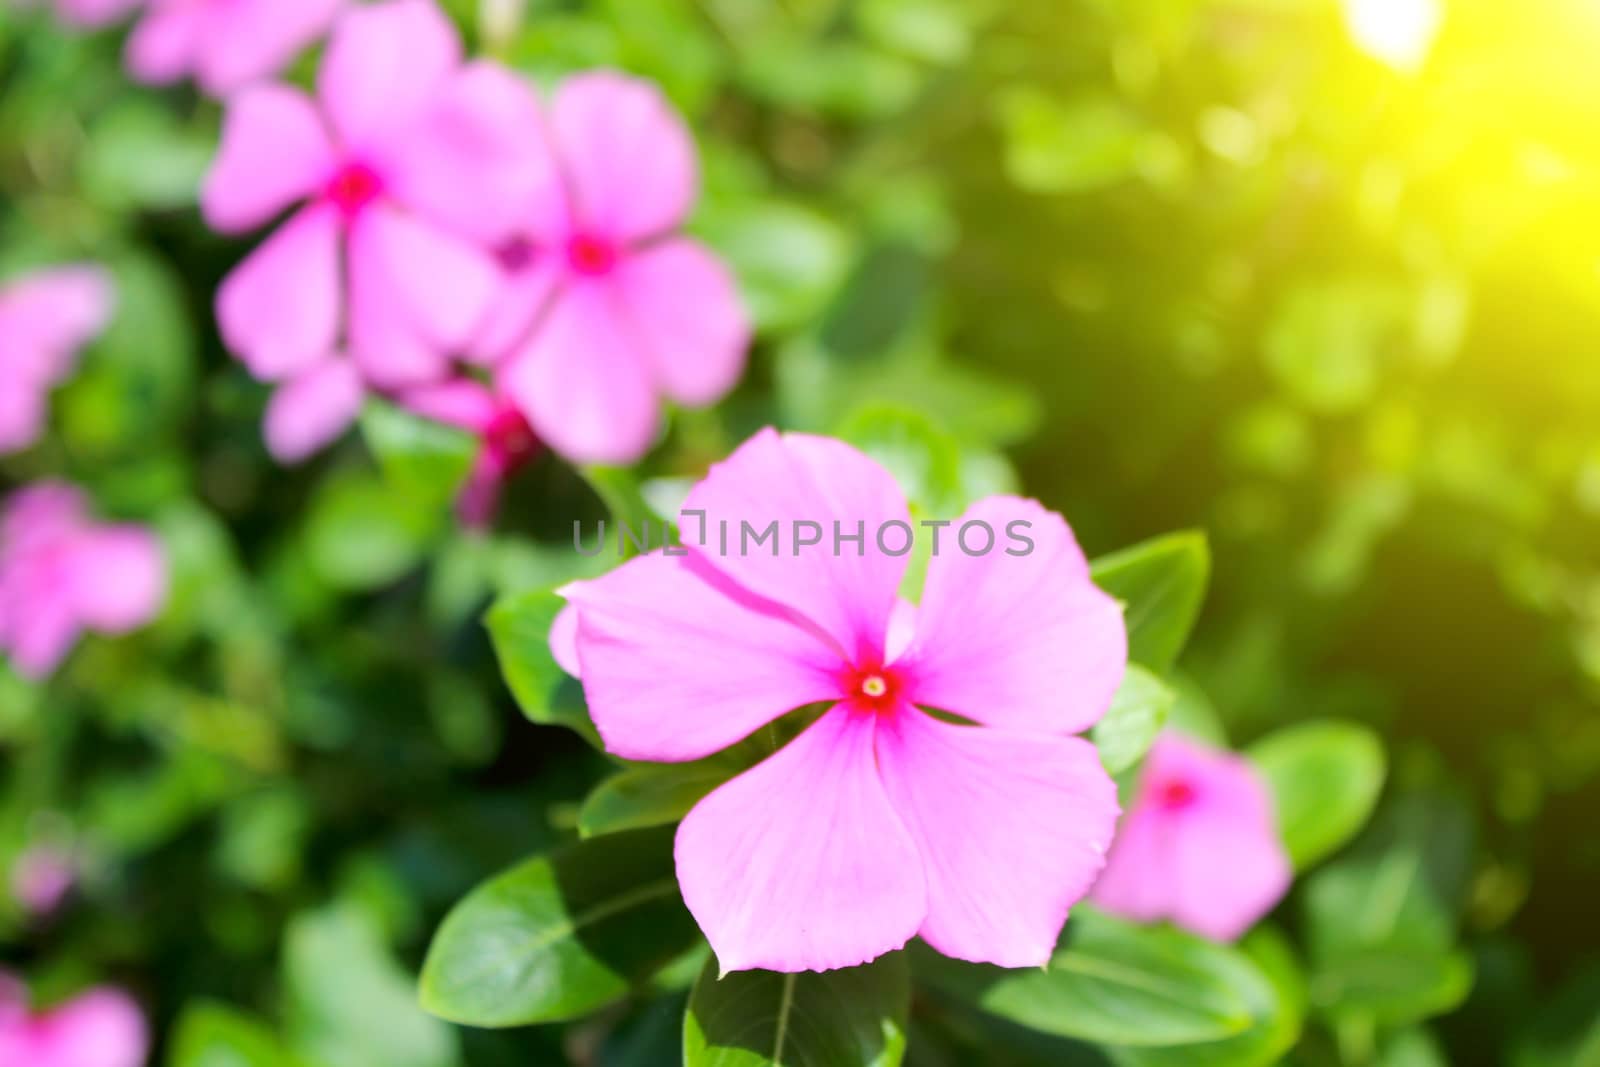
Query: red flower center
874, 689
354, 187
515, 254
510, 439
591, 255
1175, 795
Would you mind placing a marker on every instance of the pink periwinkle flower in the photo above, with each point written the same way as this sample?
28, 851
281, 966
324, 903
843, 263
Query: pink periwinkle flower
506, 443
879, 821
41, 877
405, 166
1199, 847
610, 309
62, 573
224, 44
102, 1027
45, 318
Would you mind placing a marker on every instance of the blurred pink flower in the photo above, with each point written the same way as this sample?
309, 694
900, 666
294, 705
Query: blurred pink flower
1200, 846
879, 821
44, 319
406, 164
41, 877
88, 14
102, 1027
506, 442
224, 44
609, 308
61, 573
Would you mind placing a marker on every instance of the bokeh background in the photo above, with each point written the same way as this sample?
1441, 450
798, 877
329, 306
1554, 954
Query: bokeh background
1321, 278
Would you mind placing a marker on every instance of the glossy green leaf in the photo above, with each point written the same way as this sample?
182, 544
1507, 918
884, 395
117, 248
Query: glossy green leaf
558, 936
1163, 584
1325, 779
519, 627
855, 1016
1137, 714
650, 795
1115, 982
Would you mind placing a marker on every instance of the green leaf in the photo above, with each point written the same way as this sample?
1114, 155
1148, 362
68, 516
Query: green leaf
419, 457
140, 155
350, 1002
1163, 584
1137, 714
650, 795
855, 1016
924, 459
210, 1034
1565, 1032
519, 627
620, 491
1325, 779
361, 535
1080, 145
558, 936
1115, 982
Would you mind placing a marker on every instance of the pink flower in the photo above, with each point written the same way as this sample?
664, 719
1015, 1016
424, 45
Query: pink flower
609, 308
99, 1028
44, 319
41, 877
406, 165
880, 821
89, 14
61, 574
1200, 846
506, 442
224, 44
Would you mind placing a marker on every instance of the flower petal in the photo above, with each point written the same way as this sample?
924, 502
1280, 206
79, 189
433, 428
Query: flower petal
46, 317
274, 151
677, 664
279, 309
1020, 641
686, 310
312, 410
464, 403
88, 14
100, 1028
1012, 829
581, 381
798, 478
41, 635
162, 47
385, 64
22, 415
524, 297
800, 864
119, 578
254, 39
627, 155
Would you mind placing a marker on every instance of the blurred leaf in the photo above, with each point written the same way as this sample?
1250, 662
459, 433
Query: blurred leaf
1118, 983
1137, 714
788, 258
1416, 1047
650, 795
924, 459
852, 1016
1162, 582
420, 458
519, 625
211, 1034
1068, 146
1325, 779
360, 535
140, 155
1565, 1031
620, 491
350, 1002
558, 936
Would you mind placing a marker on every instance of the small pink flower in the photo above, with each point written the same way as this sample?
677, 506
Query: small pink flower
99, 1028
1200, 846
224, 44
506, 442
610, 309
60, 574
89, 14
45, 319
406, 165
41, 877
879, 821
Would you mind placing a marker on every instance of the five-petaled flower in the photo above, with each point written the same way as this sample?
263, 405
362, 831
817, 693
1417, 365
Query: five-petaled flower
608, 308
62, 573
101, 1027
44, 319
1200, 845
880, 821
406, 170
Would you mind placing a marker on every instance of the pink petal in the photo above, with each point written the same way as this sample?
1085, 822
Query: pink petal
580, 380
119, 578
525, 295
41, 634
279, 309
628, 156
479, 157
22, 415
563, 640
47, 316
253, 39
89, 14
385, 64
100, 1028
1012, 829
800, 863
162, 47
1027, 642
274, 151
312, 410
792, 478
677, 664
463, 403
687, 312
416, 293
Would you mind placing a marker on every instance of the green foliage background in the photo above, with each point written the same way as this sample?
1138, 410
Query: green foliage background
1166, 264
